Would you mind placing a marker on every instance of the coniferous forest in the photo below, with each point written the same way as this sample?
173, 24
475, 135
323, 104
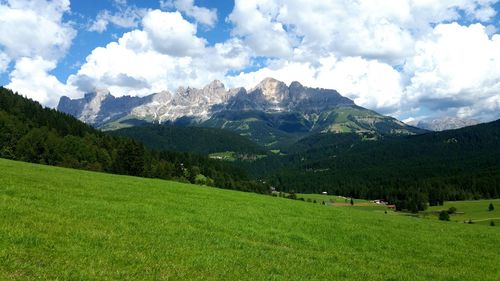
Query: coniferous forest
408, 171
32, 133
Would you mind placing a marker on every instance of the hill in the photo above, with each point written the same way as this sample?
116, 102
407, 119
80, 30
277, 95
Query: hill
450, 165
190, 139
60, 223
32, 133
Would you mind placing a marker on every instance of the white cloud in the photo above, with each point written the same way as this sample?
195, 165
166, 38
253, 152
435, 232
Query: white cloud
34, 35
35, 28
456, 67
377, 29
255, 21
205, 16
125, 17
171, 34
30, 77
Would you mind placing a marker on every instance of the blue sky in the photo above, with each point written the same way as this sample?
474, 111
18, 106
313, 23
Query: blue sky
406, 58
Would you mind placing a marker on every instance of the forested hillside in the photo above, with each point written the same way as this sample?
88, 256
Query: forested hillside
190, 139
31, 133
409, 171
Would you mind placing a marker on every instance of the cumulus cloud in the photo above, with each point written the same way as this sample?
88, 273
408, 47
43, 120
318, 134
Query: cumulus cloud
30, 77
171, 34
35, 28
35, 37
205, 16
456, 67
255, 21
125, 17
385, 30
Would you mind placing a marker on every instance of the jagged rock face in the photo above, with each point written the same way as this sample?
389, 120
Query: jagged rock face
443, 123
93, 107
191, 102
274, 92
270, 96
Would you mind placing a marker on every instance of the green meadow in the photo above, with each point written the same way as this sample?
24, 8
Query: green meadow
331, 199
63, 224
475, 211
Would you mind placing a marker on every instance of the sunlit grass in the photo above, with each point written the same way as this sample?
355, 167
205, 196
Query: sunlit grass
66, 224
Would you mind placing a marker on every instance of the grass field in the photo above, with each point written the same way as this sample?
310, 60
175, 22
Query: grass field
477, 211
66, 224
333, 199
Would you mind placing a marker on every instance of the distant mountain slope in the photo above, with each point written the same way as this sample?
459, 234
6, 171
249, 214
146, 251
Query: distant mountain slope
448, 165
443, 123
272, 114
190, 139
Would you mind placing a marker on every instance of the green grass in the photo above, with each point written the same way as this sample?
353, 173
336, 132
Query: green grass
233, 156
226, 156
328, 198
477, 211
63, 224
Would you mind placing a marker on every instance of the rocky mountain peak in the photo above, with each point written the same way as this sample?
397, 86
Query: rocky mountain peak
93, 105
273, 90
296, 85
215, 85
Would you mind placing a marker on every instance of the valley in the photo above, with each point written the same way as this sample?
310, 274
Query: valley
250, 140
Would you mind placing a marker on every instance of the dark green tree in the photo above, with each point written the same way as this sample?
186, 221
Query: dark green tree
491, 207
444, 216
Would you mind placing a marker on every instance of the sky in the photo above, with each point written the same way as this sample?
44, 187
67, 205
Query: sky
410, 59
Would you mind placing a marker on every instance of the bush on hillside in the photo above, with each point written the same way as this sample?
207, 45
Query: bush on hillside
444, 216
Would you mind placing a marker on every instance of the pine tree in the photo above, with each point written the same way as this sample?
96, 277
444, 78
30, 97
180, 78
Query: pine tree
491, 207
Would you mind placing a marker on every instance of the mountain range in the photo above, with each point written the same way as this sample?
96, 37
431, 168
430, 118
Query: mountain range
271, 113
443, 123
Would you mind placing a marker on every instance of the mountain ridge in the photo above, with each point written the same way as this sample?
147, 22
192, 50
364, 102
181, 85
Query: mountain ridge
271, 113
443, 123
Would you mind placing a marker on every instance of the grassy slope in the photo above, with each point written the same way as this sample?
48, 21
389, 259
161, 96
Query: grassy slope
474, 210
59, 223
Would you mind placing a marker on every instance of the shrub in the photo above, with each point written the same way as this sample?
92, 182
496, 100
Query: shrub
491, 207
492, 223
452, 210
444, 216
